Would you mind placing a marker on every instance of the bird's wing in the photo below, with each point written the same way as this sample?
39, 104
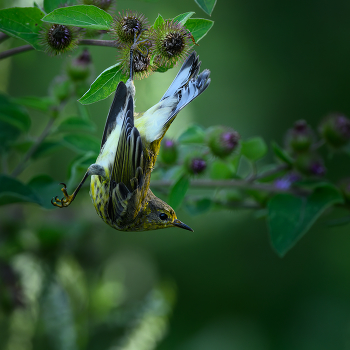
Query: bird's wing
127, 186
186, 86
117, 107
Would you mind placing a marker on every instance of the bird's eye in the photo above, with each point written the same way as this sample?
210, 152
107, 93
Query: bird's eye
163, 216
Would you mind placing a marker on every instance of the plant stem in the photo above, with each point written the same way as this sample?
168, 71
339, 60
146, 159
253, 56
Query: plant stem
24, 48
271, 172
3, 37
15, 51
244, 184
20, 167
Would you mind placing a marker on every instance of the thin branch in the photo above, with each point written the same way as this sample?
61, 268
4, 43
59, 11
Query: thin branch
3, 37
244, 184
272, 172
20, 167
15, 51
24, 48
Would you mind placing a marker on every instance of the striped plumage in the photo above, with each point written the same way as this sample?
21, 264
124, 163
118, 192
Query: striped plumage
121, 175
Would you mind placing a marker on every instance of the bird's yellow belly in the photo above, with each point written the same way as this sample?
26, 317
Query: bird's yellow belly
99, 193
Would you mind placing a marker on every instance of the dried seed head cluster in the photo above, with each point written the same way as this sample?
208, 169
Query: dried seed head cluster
141, 60
172, 43
58, 38
127, 25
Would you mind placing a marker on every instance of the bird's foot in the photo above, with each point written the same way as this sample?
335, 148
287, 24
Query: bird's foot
65, 201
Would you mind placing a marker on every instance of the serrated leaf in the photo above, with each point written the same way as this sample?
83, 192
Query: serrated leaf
219, 170
38, 103
193, 134
104, 85
83, 16
290, 217
82, 143
200, 206
199, 27
206, 5
50, 5
45, 189
281, 154
178, 191
14, 114
158, 22
75, 123
23, 23
183, 17
14, 191
254, 148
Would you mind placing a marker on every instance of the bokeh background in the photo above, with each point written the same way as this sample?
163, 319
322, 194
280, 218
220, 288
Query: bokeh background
87, 286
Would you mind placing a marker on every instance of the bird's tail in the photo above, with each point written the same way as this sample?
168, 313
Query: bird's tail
186, 86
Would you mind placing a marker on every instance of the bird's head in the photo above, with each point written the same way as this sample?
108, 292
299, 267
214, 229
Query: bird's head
161, 215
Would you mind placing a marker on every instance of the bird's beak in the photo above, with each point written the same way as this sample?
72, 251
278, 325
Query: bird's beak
180, 224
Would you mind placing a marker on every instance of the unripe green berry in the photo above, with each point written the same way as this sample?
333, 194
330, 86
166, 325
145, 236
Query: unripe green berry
168, 152
335, 129
80, 67
299, 138
310, 164
222, 140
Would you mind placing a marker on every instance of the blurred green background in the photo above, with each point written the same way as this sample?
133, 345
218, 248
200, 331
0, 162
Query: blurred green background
87, 286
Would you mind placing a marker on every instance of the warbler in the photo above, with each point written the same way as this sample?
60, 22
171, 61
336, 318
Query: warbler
130, 144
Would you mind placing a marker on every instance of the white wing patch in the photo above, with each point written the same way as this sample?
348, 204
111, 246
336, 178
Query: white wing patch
151, 124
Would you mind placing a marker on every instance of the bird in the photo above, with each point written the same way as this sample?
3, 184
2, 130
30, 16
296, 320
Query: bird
120, 177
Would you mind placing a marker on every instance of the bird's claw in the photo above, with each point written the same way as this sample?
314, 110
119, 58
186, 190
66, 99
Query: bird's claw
65, 201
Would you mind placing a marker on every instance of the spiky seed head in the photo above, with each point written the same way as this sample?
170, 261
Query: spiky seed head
79, 68
57, 38
222, 140
195, 163
126, 25
310, 164
102, 4
299, 138
335, 129
172, 43
142, 66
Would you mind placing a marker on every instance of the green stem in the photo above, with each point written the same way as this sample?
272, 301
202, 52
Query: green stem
24, 48
243, 184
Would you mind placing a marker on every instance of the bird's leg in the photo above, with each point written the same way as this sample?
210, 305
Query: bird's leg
132, 48
93, 169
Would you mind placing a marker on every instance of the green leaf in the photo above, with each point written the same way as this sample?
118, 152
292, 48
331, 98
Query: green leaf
158, 22
23, 23
206, 5
193, 134
220, 170
14, 114
200, 206
281, 154
14, 191
22, 147
104, 85
178, 191
50, 5
183, 17
82, 143
75, 123
254, 148
83, 16
8, 134
199, 27
78, 168
45, 188
290, 217
46, 148
38, 103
